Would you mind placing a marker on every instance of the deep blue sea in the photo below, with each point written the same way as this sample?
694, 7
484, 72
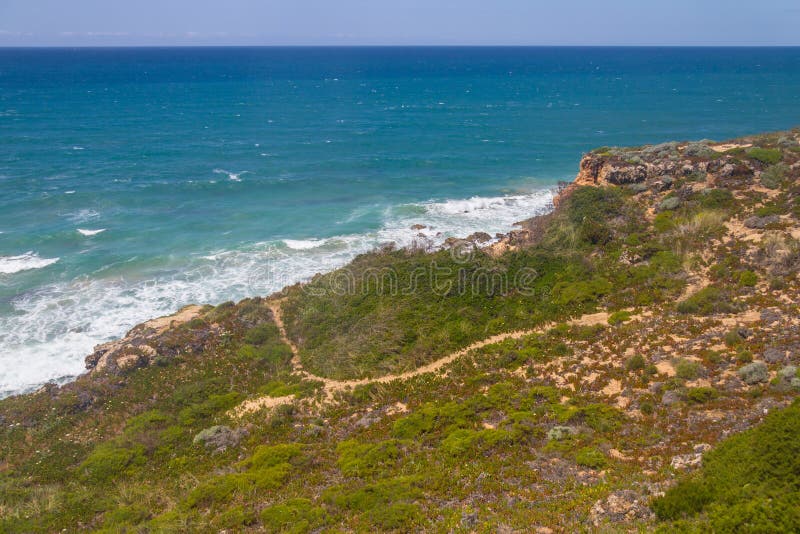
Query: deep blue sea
135, 181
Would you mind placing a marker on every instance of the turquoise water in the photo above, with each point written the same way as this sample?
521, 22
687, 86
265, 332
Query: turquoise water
135, 181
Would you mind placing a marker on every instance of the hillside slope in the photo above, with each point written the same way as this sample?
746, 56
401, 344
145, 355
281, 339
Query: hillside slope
627, 362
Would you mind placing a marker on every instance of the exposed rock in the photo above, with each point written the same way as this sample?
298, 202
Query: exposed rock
770, 315
754, 373
691, 460
670, 397
479, 237
219, 438
469, 519
669, 203
773, 355
418, 227
619, 506
761, 222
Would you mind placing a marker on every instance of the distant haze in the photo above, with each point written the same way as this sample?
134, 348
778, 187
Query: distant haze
397, 22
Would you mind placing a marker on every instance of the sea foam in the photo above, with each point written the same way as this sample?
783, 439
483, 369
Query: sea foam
89, 233
54, 327
24, 262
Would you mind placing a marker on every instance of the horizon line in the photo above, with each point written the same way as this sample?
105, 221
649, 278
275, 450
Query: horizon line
113, 46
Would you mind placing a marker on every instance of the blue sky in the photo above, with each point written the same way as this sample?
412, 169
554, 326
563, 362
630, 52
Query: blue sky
398, 22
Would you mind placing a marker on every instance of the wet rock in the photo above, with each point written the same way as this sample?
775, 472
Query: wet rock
754, 373
479, 237
220, 437
620, 506
418, 227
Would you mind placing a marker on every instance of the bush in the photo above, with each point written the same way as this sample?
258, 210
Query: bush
701, 395
357, 459
467, 441
687, 369
591, 457
686, 499
707, 301
748, 279
294, 515
664, 222
635, 363
619, 317
765, 155
261, 334
749, 483
716, 199
108, 460
773, 176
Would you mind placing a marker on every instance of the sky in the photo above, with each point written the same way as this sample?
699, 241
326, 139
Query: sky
398, 22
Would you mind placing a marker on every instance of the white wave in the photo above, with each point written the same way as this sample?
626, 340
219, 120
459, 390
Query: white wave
89, 233
232, 176
303, 244
78, 148
24, 262
54, 327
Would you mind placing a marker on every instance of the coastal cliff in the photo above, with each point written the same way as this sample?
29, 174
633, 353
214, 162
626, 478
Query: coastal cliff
627, 362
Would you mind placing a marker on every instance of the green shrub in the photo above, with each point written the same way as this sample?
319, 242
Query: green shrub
686, 499
765, 155
732, 338
707, 301
357, 459
773, 176
701, 395
272, 455
294, 516
635, 363
619, 317
433, 417
716, 199
749, 483
664, 222
108, 460
388, 504
217, 490
591, 457
687, 369
466, 441
213, 405
748, 279
261, 334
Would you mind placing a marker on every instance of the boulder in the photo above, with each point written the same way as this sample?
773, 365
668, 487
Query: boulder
620, 506
220, 437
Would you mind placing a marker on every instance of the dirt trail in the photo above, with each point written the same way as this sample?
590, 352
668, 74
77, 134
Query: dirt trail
331, 386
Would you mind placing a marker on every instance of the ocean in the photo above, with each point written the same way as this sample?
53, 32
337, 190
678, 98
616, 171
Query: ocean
136, 181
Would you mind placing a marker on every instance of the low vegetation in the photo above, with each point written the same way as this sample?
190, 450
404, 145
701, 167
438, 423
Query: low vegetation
647, 335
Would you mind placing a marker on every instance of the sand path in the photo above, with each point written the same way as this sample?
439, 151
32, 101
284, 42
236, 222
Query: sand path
330, 386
